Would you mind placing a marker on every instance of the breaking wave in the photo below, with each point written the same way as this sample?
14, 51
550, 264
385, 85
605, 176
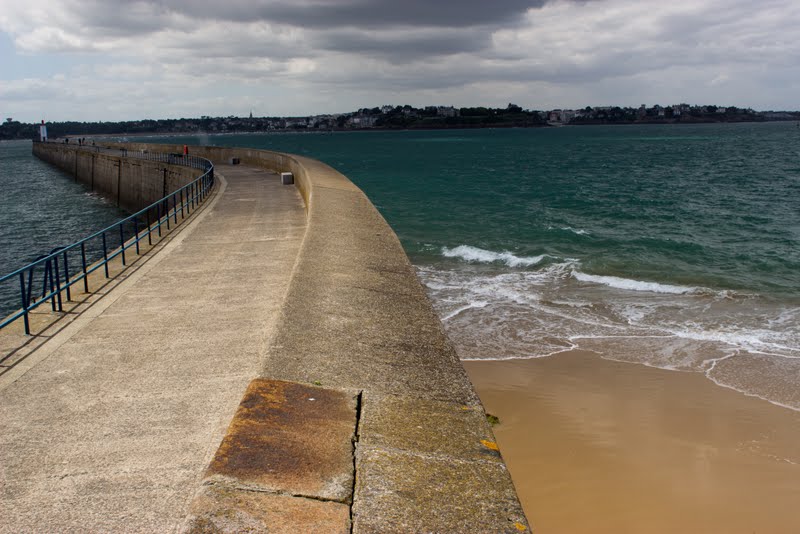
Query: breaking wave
478, 255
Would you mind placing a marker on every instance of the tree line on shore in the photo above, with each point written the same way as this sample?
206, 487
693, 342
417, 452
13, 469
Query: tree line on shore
401, 117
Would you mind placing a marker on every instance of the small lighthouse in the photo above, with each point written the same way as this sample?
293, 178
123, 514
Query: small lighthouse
43, 132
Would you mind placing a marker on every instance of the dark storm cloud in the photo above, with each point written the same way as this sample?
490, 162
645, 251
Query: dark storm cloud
361, 13
129, 17
120, 18
388, 29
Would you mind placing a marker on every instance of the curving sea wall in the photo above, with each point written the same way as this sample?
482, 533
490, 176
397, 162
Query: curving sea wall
356, 320
131, 183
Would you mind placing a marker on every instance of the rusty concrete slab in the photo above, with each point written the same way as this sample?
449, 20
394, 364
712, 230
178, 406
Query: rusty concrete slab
290, 438
223, 510
398, 491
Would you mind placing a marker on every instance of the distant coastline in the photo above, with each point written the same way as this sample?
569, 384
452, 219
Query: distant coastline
404, 118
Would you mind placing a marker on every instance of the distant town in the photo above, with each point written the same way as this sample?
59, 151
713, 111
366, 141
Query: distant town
407, 117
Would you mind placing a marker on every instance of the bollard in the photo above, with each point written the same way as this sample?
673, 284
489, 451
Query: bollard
287, 178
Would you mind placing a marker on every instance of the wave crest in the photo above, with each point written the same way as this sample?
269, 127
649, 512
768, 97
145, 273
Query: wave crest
479, 255
635, 285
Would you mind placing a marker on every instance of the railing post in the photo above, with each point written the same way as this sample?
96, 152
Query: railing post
136, 233
66, 277
47, 283
30, 284
149, 230
83, 266
122, 242
58, 282
25, 303
105, 255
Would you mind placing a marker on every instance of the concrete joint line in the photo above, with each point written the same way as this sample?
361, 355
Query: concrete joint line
96, 308
332, 188
356, 439
495, 461
265, 491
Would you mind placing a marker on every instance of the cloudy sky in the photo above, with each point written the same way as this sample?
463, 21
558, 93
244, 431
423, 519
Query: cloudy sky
127, 59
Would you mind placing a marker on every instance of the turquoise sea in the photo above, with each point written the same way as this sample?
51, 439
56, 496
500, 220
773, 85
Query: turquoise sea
670, 246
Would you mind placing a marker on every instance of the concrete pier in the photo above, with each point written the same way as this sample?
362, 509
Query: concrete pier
278, 368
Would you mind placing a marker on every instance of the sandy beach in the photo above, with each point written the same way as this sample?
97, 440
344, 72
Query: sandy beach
601, 446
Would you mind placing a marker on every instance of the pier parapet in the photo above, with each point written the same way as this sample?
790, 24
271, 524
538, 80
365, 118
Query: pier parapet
130, 182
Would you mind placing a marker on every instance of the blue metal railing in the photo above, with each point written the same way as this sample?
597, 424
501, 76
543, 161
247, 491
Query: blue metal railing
66, 266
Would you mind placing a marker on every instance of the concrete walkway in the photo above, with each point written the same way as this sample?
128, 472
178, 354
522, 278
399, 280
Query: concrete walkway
112, 431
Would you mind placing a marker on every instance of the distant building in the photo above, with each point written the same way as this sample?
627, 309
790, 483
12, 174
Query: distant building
297, 122
362, 121
681, 109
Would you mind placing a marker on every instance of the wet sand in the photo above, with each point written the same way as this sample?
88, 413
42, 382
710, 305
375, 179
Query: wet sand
601, 446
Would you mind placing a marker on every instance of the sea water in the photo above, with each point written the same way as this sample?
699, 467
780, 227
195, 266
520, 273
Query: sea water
674, 246
41, 208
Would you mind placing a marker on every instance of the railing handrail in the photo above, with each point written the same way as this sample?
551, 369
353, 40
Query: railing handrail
195, 190
99, 232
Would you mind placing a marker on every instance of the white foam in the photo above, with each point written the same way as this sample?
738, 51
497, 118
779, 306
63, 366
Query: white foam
575, 231
541, 312
519, 357
635, 314
749, 393
634, 285
471, 305
750, 340
479, 255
